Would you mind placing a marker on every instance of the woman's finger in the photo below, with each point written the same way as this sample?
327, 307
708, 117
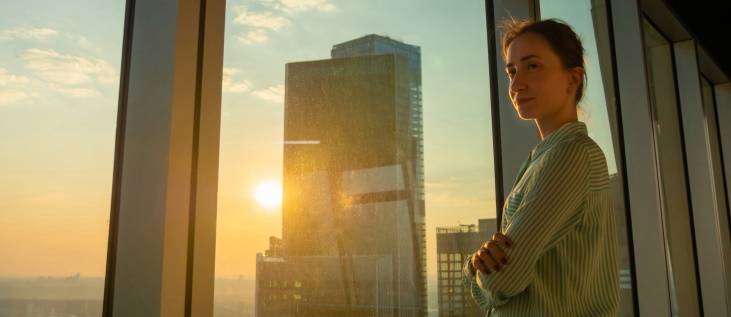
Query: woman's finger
489, 261
502, 239
496, 251
479, 265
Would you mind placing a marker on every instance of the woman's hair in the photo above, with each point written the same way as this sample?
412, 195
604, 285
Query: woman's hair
563, 40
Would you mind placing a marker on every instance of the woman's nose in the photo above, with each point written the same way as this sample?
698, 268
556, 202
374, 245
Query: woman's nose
516, 83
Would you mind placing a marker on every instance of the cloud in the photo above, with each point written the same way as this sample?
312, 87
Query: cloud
75, 92
7, 80
292, 6
27, 34
230, 85
67, 69
80, 40
230, 71
256, 36
273, 94
41, 35
264, 20
10, 86
10, 96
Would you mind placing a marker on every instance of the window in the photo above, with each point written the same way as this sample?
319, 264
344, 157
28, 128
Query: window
672, 168
589, 20
351, 131
59, 81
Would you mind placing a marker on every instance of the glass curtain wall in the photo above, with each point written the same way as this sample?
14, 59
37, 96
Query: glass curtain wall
677, 220
59, 79
598, 111
356, 170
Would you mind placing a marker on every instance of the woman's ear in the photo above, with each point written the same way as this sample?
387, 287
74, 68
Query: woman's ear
576, 77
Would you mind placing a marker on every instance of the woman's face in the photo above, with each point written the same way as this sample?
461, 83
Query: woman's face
540, 86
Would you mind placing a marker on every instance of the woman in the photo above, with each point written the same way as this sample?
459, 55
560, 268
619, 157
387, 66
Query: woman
556, 254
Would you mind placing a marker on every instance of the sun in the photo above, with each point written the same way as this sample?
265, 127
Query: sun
268, 194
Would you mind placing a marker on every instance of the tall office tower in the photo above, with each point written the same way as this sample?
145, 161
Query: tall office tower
382, 45
455, 245
353, 207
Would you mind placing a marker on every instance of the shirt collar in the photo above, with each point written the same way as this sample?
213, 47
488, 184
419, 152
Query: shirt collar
565, 132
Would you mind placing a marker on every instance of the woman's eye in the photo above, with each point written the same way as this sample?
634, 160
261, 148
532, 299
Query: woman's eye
511, 73
531, 66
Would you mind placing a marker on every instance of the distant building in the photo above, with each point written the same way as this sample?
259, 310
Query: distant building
625, 277
353, 232
8, 312
455, 245
312, 286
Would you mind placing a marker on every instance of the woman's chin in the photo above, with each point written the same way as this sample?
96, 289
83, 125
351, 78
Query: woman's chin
525, 115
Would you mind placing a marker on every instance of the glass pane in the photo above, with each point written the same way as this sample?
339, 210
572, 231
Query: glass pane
714, 145
59, 79
672, 179
351, 131
589, 20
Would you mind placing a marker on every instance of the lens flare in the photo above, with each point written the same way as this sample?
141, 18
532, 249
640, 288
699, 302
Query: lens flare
269, 194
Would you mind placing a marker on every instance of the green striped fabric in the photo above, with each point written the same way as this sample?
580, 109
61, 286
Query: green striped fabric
560, 218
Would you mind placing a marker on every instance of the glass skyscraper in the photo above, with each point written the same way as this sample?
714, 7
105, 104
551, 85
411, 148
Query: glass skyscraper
382, 45
353, 234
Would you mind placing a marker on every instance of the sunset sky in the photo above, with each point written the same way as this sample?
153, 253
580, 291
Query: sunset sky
59, 75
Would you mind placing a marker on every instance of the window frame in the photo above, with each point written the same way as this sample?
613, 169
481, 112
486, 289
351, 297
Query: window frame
160, 258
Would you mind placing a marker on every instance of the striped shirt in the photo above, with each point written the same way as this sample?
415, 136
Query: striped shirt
559, 215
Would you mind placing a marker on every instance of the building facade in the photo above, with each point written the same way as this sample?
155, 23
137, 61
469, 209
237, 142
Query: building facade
371, 45
455, 245
352, 189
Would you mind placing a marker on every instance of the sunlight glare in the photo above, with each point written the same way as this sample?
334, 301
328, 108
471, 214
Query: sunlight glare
268, 194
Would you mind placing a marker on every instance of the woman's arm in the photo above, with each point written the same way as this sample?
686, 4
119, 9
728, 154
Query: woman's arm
552, 206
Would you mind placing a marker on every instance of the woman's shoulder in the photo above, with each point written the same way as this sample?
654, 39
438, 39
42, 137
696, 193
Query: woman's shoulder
575, 145
579, 149
575, 149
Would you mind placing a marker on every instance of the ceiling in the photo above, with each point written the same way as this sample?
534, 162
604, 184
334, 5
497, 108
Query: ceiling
709, 22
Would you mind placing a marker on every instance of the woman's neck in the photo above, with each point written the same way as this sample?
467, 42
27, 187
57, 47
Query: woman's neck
546, 125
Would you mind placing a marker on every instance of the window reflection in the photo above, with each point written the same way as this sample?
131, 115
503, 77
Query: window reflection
344, 131
589, 20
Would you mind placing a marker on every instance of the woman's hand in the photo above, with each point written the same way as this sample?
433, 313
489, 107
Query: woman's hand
490, 257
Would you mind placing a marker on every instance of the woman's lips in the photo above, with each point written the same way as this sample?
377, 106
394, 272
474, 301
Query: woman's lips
521, 101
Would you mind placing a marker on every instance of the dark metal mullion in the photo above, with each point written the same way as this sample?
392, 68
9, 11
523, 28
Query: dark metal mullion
534, 10
623, 160
194, 160
109, 280
495, 110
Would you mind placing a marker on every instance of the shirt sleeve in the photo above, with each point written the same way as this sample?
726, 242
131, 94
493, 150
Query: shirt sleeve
552, 206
